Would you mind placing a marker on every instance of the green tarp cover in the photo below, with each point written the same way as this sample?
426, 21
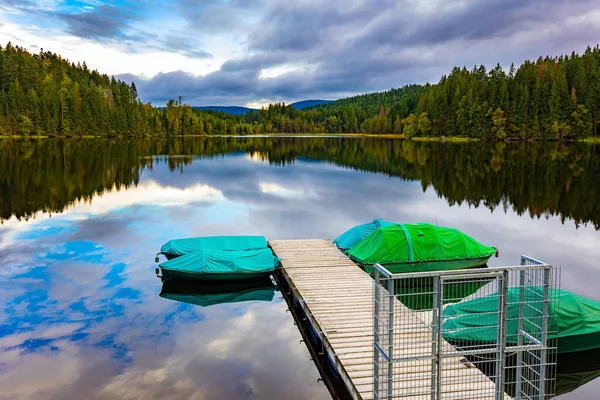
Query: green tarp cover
184, 246
420, 242
223, 262
357, 233
575, 320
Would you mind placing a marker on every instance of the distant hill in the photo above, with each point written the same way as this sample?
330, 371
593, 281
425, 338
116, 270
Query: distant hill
233, 110
239, 110
299, 105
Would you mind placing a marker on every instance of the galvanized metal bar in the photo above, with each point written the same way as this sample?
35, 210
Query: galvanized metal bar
376, 294
502, 317
462, 273
526, 259
520, 332
435, 356
440, 308
544, 353
538, 343
390, 371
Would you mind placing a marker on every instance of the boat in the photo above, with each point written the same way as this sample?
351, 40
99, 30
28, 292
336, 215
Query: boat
220, 265
574, 321
357, 233
180, 247
418, 248
205, 294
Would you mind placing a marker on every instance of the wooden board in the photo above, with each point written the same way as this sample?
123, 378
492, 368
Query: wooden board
337, 297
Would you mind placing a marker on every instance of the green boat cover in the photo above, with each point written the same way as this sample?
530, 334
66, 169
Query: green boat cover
574, 322
205, 295
411, 243
179, 247
216, 262
357, 233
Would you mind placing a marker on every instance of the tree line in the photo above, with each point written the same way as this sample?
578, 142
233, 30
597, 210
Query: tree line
549, 99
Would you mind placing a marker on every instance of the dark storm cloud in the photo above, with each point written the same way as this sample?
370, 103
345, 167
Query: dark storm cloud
183, 45
357, 46
218, 16
101, 22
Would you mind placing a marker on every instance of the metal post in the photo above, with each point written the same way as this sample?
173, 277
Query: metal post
502, 314
435, 357
544, 352
439, 306
392, 297
376, 335
520, 335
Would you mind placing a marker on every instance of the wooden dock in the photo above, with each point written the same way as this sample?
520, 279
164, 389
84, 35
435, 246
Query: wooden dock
337, 297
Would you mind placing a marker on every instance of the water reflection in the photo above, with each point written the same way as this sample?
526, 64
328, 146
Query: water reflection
205, 294
536, 178
83, 219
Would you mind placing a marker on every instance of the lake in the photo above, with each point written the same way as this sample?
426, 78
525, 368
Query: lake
83, 219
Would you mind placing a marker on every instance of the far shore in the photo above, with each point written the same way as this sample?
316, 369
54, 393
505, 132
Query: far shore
451, 139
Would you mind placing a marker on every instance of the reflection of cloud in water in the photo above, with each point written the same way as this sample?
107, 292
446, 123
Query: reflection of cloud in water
146, 193
230, 355
282, 191
258, 157
89, 272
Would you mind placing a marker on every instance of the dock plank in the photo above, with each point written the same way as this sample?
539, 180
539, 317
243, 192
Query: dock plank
337, 297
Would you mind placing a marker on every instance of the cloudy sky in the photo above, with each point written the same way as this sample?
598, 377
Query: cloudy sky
245, 52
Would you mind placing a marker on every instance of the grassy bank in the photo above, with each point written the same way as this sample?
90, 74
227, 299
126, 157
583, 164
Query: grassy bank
593, 140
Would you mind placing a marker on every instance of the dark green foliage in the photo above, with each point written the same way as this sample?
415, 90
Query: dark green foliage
550, 99
44, 94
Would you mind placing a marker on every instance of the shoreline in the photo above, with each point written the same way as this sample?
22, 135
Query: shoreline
449, 139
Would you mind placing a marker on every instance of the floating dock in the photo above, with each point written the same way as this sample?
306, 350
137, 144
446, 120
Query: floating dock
337, 298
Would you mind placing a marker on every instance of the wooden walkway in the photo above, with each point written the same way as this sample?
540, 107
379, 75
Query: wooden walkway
337, 297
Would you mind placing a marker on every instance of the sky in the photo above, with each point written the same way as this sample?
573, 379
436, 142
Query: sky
244, 52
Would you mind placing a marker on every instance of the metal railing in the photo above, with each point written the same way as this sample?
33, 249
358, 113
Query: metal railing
481, 333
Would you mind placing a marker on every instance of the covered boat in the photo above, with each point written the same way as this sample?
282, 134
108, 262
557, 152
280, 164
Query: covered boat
206, 294
220, 265
357, 233
179, 247
420, 247
574, 320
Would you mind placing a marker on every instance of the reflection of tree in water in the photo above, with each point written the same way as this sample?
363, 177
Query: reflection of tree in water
538, 178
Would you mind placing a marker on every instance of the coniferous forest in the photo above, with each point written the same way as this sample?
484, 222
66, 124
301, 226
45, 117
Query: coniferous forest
550, 99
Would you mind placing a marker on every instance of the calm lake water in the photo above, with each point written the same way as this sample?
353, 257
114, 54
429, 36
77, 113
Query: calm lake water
82, 220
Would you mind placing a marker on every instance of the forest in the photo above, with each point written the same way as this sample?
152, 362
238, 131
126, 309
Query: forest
553, 98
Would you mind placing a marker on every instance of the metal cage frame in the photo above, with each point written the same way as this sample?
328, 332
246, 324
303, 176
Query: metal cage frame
413, 359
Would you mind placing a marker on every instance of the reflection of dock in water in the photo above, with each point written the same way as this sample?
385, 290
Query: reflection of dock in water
337, 298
